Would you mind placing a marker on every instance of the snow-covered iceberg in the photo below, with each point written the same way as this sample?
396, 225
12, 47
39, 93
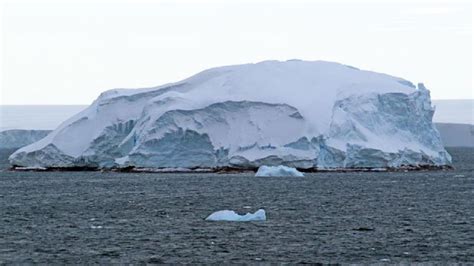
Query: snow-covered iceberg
279, 170
227, 215
308, 115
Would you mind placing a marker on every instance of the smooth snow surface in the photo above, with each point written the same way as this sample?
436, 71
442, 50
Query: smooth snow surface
232, 216
280, 170
308, 115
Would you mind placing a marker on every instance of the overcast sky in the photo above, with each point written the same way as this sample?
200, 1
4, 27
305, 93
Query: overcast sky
67, 52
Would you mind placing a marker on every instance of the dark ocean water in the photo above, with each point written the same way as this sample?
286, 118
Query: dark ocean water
93, 217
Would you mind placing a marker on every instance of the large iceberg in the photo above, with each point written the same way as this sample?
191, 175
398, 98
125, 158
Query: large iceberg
308, 115
279, 170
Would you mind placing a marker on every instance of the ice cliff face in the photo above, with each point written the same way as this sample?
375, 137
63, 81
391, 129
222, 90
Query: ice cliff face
308, 115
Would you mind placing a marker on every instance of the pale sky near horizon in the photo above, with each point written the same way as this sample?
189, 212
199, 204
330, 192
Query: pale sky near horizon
68, 52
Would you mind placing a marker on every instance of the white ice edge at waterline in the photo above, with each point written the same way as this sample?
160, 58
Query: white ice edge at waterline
279, 170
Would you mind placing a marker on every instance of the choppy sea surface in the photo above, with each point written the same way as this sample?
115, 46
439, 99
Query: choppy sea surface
94, 217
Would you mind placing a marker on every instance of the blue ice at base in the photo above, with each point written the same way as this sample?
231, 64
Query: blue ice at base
280, 170
232, 216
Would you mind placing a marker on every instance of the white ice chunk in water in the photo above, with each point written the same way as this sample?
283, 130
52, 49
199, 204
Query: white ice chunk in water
227, 215
280, 170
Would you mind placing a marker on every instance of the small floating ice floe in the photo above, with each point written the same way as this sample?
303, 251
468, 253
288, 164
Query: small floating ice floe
279, 170
227, 215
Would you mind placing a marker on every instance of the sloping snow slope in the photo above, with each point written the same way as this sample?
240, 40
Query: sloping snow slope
296, 113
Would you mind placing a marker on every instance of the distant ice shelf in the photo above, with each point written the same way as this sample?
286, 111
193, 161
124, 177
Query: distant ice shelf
17, 138
279, 170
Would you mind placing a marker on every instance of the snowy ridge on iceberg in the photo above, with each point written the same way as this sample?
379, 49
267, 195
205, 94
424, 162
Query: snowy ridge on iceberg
307, 115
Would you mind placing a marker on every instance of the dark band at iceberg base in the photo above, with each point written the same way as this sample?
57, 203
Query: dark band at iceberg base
163, 132
79, 166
